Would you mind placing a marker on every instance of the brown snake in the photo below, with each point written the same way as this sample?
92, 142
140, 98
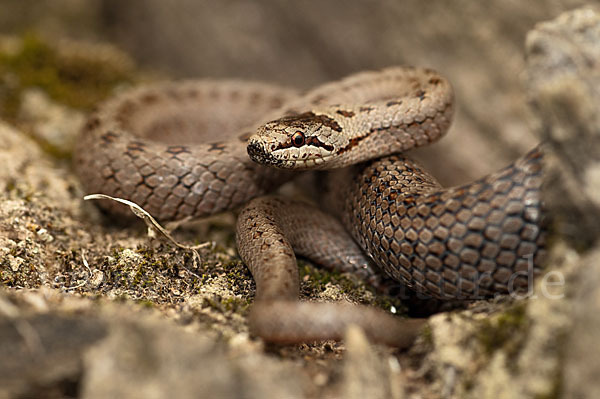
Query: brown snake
466, 242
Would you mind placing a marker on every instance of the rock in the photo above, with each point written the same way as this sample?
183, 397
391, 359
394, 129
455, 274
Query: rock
44, 351
368, 372
581, 351
26, 169
51, 123
108, 351
564, 69
154, 360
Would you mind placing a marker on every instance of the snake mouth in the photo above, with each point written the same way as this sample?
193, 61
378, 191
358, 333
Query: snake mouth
257, 153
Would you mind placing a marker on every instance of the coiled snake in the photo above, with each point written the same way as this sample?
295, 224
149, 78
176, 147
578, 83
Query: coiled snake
181, 149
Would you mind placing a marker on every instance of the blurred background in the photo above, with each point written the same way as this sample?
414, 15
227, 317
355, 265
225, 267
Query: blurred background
478, 45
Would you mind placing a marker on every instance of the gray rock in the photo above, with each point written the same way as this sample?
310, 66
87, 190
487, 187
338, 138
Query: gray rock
564, 68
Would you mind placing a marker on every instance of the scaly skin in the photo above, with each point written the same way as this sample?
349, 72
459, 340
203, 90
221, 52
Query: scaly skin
179, 149
373, 114
468, 242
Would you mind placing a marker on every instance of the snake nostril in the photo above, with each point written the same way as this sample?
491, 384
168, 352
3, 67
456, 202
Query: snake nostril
255, 151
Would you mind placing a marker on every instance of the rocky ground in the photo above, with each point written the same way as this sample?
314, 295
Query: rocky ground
94, 308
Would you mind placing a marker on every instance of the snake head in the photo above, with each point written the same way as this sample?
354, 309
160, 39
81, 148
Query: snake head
304, 141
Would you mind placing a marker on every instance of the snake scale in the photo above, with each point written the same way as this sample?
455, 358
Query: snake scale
181, 149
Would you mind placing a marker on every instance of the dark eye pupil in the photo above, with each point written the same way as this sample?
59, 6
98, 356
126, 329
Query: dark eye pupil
298, 139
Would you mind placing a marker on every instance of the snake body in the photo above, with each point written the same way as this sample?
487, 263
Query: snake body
466, 242
179, 149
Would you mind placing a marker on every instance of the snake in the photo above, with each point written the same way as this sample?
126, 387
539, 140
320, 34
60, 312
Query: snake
195, 148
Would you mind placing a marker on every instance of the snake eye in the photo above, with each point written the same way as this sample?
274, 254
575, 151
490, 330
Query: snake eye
298, 139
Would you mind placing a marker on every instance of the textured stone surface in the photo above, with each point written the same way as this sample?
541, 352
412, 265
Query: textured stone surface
118, 352
564, 66
564, 69
581, 352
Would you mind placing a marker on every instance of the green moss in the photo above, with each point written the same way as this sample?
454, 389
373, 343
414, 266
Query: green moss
506, 331
25, 276
77, 80
427, 334
358, 290
236, 304
317, 277
230, 304
146, 303
561, 347
237, 275
387, 302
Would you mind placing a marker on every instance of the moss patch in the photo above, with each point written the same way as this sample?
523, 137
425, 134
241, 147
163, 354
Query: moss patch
315, 280
506, 331
70, 73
